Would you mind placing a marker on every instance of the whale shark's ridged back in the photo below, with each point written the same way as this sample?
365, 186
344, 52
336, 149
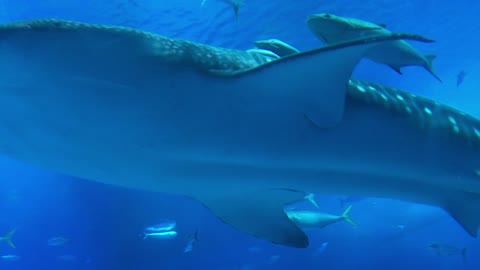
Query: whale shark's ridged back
425, 112
205, 58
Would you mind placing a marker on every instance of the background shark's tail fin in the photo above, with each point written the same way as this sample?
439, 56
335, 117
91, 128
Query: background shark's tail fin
8, 238
347, 218
430, 58
464, 255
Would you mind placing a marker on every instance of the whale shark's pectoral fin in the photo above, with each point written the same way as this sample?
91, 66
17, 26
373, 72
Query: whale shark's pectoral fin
260, 214
329, 67
466, 211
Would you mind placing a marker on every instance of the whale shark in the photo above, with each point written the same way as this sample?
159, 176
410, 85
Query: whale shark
135, 109
396, 54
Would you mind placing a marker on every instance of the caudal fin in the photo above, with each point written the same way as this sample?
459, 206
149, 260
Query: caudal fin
8, 238
430, 58
347, 218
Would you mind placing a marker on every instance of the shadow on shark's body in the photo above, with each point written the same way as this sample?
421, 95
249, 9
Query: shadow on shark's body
134, 109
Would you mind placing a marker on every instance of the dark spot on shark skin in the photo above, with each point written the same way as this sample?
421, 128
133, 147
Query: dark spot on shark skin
327, 16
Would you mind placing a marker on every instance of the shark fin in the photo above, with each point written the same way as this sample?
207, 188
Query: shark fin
311, 198
383, 25
329, 66
466, 211
429, 67
397, 69
347, 218
260, 214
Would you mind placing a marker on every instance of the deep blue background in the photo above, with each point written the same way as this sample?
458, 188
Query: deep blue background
104, 222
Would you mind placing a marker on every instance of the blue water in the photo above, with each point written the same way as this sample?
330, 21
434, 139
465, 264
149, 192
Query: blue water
104, 224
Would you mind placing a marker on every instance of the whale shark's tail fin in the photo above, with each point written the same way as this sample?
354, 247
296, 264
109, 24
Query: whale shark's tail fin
8, 238
347, 218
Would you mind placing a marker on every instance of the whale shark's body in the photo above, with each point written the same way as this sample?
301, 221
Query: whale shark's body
134, 109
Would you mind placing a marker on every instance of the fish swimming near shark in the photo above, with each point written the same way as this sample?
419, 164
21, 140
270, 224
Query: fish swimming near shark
10, 258
461, 77
444, 249
236, 6
191, 242
165, 225
57, 241
134, 109
317, 219
396, 54
160, 235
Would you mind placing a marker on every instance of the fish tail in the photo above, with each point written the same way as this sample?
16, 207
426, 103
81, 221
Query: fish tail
464, 255
196, 234
8, 238
311, 198
347, 218
430, 58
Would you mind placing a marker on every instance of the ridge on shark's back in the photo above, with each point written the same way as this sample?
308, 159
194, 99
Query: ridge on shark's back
175, 116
